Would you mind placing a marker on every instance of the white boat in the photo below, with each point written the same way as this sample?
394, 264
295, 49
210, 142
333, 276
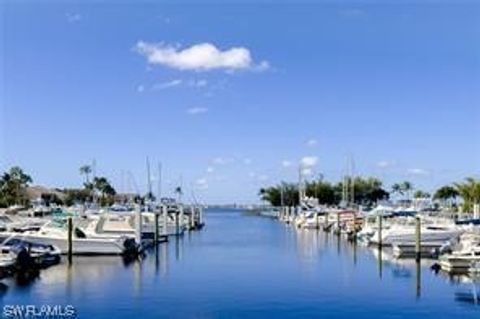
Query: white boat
115, 225
312, 220
465, 256
7, 260
272, 212
39, 254
405, 232
370, 222
20, 224
56, 234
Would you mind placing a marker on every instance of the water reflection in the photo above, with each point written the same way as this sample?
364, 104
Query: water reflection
250, 267
178, 247
418, 278
354, 245
137, 277
469, 293
3, 289
308, 245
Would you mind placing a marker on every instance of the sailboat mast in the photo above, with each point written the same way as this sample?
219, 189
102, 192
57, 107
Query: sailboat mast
149, 181
159, 182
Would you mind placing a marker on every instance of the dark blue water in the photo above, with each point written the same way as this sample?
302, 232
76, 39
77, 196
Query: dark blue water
250, 267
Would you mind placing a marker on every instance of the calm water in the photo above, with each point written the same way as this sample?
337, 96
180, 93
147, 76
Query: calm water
249, 267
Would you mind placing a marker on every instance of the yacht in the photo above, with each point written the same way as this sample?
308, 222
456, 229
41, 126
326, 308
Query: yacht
270, 212
55, 233
41, 255
20, 224
404, 231
370, 222
311, 219
465, 255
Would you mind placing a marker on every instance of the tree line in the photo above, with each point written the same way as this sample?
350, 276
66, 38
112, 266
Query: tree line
15, 182
364, 191
369, 190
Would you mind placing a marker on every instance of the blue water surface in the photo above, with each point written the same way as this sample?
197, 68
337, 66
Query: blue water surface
242, 266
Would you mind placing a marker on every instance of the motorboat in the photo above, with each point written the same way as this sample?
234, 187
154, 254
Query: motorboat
55, 233
115, 225
20, 224
465, 256
41, 255
404, 231
310, 219
370, 222
271, 212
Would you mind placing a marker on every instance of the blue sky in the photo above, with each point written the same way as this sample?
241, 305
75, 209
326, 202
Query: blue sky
232, 97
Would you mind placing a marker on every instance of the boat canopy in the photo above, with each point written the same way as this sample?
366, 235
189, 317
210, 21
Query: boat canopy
381, 210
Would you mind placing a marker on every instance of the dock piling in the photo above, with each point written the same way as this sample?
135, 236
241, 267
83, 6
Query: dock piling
138, 224
338, 224
418, 248
165, 219
354, 226
181, 214
177, 222
380, 219
70, 239
156, 239
192, 219
325, 224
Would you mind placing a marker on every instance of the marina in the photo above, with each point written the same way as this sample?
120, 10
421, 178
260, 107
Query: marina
242, 266
240, 159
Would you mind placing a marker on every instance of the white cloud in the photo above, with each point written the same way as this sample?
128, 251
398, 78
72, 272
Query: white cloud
384, 164
417, 171
312, 142
252, 174
201, 183
198, 57
307, 171
262, 66
247, 161
309, 161
168, 84
73, 17
210, 169
197, 110
286, 163
140, 88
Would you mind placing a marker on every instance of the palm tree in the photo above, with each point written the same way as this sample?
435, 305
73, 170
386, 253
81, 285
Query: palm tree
421, 194
13, 186
86, 170
102, 185
397, 189
446, 194
469, 191
406, 188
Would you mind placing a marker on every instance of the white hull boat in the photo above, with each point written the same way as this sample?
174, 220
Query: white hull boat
81, 243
